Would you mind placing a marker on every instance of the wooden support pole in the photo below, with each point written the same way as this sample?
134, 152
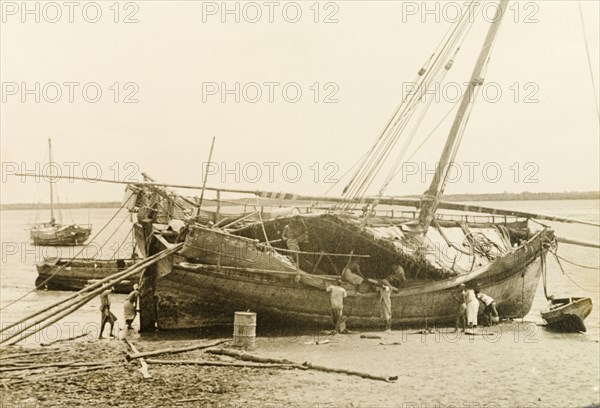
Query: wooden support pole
46, 365
144, 365
78, 303
219, 363
37, 353
131, 356
306, 365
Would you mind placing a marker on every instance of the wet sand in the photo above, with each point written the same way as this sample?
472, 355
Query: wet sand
510, 365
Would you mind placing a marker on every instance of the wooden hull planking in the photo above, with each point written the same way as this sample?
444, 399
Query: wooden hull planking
185, 295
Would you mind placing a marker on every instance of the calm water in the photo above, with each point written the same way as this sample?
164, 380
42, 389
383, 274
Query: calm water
18, 272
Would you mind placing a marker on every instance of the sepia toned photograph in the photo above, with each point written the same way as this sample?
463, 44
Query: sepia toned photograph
300, 204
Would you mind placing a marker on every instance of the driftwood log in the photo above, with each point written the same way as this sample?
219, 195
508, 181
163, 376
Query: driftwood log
306, 365
144, 366
240, 355
58, 375
37, 353
131, 356
351, 372
47, 365
61, 340
220, 363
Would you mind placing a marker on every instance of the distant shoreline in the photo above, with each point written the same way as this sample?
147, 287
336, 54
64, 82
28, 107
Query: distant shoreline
526, 196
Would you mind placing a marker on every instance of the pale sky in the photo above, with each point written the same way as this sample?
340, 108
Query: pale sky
176, 51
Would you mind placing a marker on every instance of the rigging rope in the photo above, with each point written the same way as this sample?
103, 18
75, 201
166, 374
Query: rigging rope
111, 235
576, 264
396, 168
382, 148
571, 279
116, 253
262, 224
587, 49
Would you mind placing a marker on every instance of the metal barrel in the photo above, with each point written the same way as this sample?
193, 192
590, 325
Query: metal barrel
244, 330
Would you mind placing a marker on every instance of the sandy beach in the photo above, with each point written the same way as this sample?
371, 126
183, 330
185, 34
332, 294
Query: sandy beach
510, 365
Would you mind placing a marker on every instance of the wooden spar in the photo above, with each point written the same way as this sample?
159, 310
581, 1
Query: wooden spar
433, 194
138, 266
218, 211
576, 242
187, 200
446, 205
220, 363
60, 302
206, 174
77, 304
48, 320
52, 220
37, 353
398, 201
45, 365
236, 220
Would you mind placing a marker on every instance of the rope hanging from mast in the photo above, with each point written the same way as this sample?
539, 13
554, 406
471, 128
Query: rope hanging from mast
433, 71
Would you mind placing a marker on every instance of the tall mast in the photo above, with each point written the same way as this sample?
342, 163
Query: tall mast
52, 220
206, 174
432, 196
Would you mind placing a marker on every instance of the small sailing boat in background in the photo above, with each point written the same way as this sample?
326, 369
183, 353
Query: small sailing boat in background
55, 234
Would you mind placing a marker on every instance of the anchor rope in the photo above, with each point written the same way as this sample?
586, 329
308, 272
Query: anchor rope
571, 279
576, 264
116, 253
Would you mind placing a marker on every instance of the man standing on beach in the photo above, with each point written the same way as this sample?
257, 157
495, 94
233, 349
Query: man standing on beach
107, 315
472, 311
337, 304
130, 306
386, 306
461, 311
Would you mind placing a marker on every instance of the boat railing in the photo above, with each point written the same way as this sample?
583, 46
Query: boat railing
401, 215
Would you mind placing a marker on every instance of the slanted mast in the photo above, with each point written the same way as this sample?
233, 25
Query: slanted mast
431, 198
51, 167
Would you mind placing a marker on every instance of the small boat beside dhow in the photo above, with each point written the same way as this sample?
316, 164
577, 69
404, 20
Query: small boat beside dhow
567, 314
76, 274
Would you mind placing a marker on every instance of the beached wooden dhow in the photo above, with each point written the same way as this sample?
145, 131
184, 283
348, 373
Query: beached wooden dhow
232, 262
